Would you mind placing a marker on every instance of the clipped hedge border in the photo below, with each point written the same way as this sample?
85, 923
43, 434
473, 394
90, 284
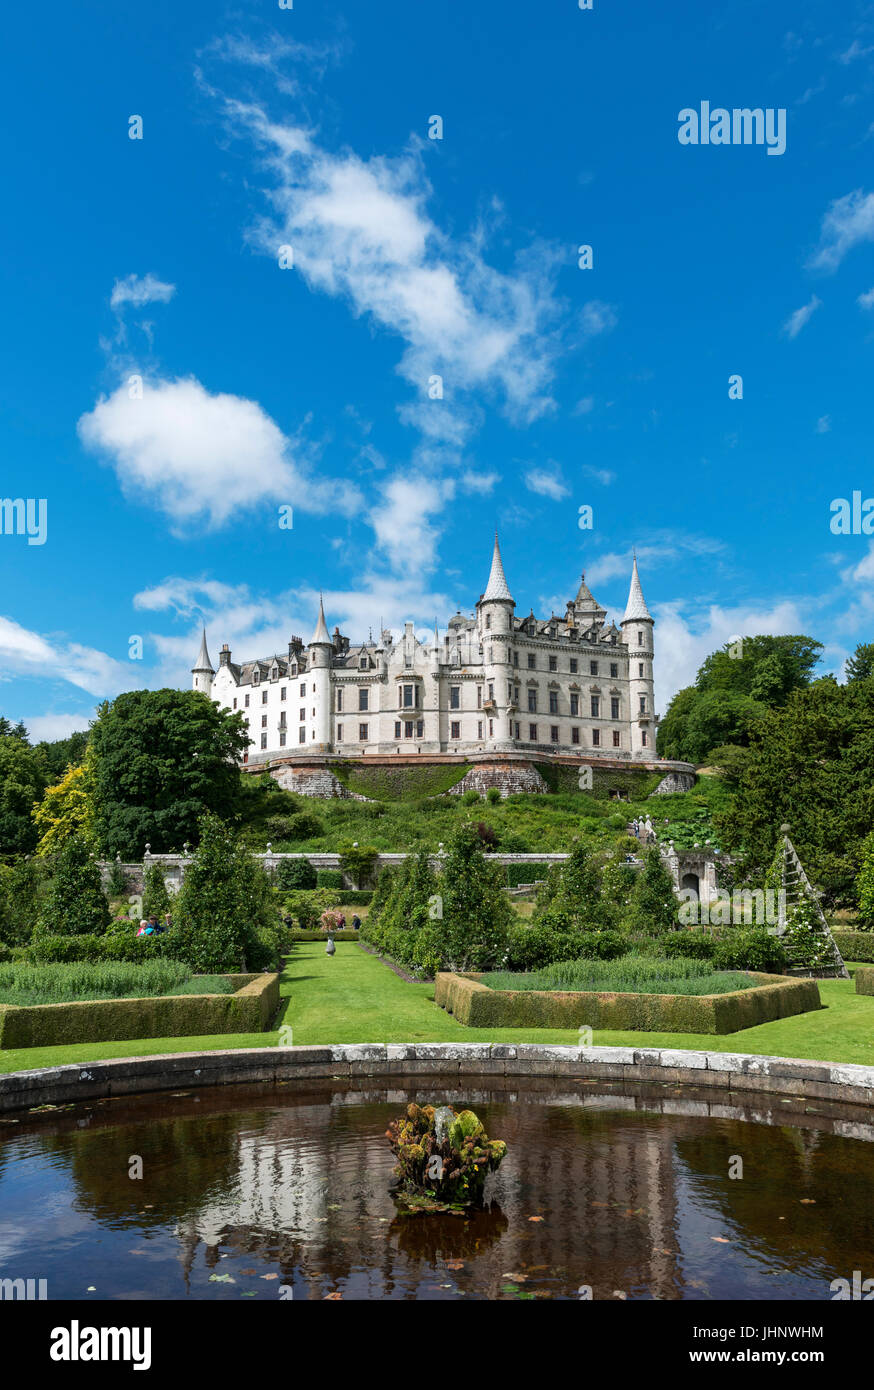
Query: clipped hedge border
476, 1006
864, 981
250, 1009
302, 934
854, 945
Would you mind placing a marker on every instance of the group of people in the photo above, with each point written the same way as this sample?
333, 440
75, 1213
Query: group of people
150, 926
643, 830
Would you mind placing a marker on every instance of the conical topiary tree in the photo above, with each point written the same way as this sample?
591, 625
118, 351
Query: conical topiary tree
476, 912
75, 902
156, 896
803, 930
652, 907
222, 898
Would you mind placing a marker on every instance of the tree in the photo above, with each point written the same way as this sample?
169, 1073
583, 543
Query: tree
22, 783
63, 753
652, 908
67, 809
161, 759
222, 911
865, 884
860, 666
156, 898
730, 761
573, 898
75, 902
809, 765
295, 875
476, 912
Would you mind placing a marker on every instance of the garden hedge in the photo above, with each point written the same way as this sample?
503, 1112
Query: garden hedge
298, 934
329, 878
477, 1006
854, 945
525, 873
864, 981
250, 1010
356, 897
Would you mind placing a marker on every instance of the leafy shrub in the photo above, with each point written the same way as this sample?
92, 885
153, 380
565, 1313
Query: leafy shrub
117, 879
493, 796
295, 875
749, 949
357, 897
303, 826
225, 919
359, 862
329, 878
306, 907
115, 945
531, 948
524, 873
156, 898
470, 797
75, 901
693, 945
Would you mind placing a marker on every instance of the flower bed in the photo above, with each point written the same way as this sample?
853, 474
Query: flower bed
477, 1006
250, 1009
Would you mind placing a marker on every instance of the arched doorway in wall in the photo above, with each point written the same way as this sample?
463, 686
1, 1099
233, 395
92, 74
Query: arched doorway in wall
692, 881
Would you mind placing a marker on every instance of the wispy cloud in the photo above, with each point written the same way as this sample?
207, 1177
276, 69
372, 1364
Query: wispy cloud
848, 222
795, 322
546, 484
138, 290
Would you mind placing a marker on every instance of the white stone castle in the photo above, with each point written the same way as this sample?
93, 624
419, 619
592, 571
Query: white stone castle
495, 683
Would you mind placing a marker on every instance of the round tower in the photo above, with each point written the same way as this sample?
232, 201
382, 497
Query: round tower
202, 672
637, 633
318, 681
495, 626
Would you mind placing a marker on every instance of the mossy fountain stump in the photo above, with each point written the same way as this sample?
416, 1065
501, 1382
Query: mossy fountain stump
444, 1157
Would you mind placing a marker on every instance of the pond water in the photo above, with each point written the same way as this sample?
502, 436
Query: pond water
268, 1193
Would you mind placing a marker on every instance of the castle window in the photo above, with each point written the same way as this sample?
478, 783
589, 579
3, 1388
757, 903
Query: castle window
491, 727
479, 697
303, 688
282, 720
596, 738
363, 694
408, 728
643, 704
302, 716
593, 668
615, 738
517, 734
596, 705
575, 734
362, 663
643, 737
553, 733
420, 728
640, 668
640, 639
614, 668
235, 702
575, 706
282, 691
553, 702
263, 721
282, 738
263, 740
339, 701
397, 728
247, 702
340, 733
293, 671
532, 701
574, 665
532, 661
256, 676
302, 736
491, 693
455, 697
264, 694
532, 733
614, 707
488, 620
515, 658
553, 663
455, 729
362, 732
479, 728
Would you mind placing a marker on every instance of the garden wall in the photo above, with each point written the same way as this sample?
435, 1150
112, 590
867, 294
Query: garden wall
477, 1006
250, 1010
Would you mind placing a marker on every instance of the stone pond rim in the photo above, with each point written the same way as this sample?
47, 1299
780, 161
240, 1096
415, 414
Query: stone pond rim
744, 1074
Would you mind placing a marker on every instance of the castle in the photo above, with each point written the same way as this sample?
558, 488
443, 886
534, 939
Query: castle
495, 683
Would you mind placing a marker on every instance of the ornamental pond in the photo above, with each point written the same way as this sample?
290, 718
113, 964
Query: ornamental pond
285, 1192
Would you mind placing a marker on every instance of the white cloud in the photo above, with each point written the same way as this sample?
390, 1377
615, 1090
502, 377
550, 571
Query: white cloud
584, 406
601, 475
202, 457
682, 643
482, 483
49, 727
27, 653
854, 51
795, 322
546, 484
139, 290
848, 222
597, 317
823, 424
866, 300
402, 519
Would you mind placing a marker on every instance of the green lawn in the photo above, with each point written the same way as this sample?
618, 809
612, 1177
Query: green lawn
352, 997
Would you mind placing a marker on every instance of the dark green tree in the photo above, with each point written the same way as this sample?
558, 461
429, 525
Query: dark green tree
156, 896
860, 666
476, 913
62, 753
223, 907
75, 902
652, 907
22, 783
161, 759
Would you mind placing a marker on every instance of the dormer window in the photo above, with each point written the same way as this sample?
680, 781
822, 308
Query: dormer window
362, 663
256, 677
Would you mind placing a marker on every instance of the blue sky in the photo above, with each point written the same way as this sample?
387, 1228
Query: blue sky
413, 258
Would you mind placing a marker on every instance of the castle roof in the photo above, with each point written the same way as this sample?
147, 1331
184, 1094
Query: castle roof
636, 609
203, 662
320, 636
497, 587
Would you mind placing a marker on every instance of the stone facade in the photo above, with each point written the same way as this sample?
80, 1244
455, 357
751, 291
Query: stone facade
570, 684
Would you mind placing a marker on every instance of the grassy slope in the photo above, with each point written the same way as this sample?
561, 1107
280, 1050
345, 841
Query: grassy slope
353, 997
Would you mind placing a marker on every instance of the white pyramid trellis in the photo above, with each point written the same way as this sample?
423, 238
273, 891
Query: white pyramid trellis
797, 889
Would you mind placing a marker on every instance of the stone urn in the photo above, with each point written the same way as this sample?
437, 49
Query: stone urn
330, 948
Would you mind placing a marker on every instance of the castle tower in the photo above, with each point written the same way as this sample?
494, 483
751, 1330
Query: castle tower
495, 623
318, 696
202, 671
637, 632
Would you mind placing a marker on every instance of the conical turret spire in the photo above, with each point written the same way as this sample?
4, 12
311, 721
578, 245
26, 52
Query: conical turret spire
203, 662
636, 608
321, 633
497, 587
